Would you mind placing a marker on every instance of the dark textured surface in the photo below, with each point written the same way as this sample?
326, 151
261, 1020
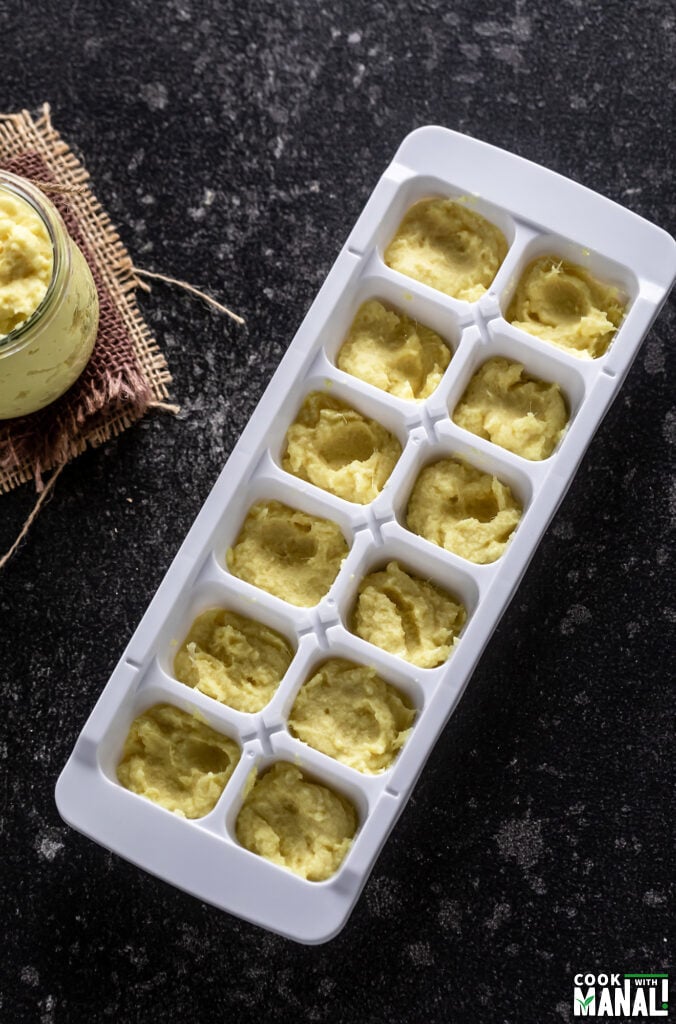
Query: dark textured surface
235, 145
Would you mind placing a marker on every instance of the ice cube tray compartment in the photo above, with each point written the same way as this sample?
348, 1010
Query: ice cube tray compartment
403, 189
536, 243
211, 592
377, 282
157, 688
539, 213
452, 442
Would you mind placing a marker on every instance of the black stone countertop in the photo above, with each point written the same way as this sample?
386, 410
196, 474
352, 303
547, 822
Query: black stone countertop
234, 145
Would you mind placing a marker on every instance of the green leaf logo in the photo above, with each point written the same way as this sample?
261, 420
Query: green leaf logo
586, 1001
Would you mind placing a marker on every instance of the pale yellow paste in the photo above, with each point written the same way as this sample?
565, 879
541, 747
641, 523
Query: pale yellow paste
470, 513
26, 261
237, 661
289, 553
393, 352
336, 448
348, 712
448, 247
563, 303
41, 362
177, 761
296, 823
407, 616
505, 405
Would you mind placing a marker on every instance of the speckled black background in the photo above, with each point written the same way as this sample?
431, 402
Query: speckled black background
234, 144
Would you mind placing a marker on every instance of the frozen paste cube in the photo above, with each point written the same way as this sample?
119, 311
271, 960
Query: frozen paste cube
296, 822
463, 510
449, 247
564, 304
407, 616
392, 352
505, 405
289, 553
348, 712
237, 661
338, 449
177, 761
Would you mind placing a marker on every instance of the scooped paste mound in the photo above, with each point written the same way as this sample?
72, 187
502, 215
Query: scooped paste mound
26, 261
177, 761
505, 405
350, 713
393, 352
289, 553
470, 513
448, 247
336, 448
296, 823
566, 305
235, 660
407, 616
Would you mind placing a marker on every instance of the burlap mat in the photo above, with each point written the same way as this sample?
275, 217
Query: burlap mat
127, 374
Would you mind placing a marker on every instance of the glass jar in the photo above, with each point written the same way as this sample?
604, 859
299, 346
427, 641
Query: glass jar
46, 353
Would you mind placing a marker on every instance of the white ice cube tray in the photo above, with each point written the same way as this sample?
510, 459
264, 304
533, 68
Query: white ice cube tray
539, 212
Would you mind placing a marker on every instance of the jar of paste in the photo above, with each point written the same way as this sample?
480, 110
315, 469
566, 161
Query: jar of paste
49, 309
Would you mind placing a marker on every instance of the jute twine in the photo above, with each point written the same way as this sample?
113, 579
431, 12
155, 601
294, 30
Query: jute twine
145, 384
